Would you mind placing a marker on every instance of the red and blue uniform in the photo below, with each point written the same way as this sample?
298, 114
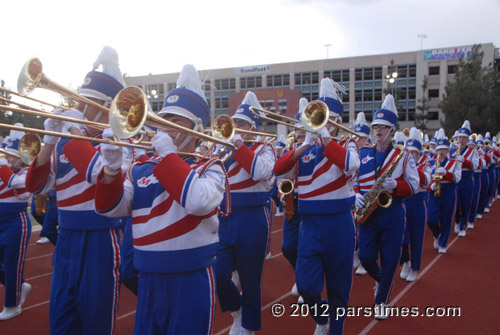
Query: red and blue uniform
382, 232
174, 206
441, 210
326, 235
244, 233
15, 231
85, 286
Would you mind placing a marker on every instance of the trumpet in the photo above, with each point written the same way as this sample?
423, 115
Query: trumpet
314, 117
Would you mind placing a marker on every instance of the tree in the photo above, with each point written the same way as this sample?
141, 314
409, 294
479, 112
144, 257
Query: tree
8, 117
422, 116
474, 96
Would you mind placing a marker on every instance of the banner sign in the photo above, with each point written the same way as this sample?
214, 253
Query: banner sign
251, 69
451, 53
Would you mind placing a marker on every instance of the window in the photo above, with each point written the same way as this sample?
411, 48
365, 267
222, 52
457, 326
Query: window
452, 69
368, 74
378, 73
433, 70
171, 86
251, 82
434, 93
433, 115
279, 80
412, 71
359, 74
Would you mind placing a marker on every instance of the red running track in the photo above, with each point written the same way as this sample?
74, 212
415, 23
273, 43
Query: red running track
465, 277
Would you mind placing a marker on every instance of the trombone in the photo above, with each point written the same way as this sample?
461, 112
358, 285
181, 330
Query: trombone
29, 146
314, 117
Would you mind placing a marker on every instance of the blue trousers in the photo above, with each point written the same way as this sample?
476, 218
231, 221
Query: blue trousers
325, 254
291, 238
382, 233
242, 247
176, 303
129, 274
50, 221
441, 212
85, 282
483, 195
475, 197
15, 231
416, 217
465, 191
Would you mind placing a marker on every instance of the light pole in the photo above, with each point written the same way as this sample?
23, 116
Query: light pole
327, 47
391, 79
422, 36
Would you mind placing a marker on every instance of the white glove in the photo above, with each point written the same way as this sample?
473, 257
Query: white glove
76, 114
441, 171
237, 137
324, 133
311, 139
163, 144
460, 158
433, 186
389, 184
138, 153
4, 161
360, 200
53, 125
111, 154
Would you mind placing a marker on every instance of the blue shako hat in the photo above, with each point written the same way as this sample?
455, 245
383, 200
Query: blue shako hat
434, 139
465, 129
243, 111
11, 143
105, 84
361, 127
487, 138
329, 94
387, 115
479, 141
415, 141
280, 144
188, 99
442, 141
471, 141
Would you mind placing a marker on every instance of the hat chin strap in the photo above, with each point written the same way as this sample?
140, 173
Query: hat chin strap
197, 127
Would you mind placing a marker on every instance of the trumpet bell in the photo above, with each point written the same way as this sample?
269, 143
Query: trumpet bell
223, 128
30, 76
315, 116
29, 147
128, 112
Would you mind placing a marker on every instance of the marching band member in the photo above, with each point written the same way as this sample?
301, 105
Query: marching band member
484, 159
85, 282
326, 196
174, 204
476, 182
382, 232
15, 226
432, 146
416, 212
362, 129
244, 233
441, 202
469, 159
280, 149
291, 224
492, 185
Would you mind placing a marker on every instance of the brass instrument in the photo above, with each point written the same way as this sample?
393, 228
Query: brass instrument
291, 139
286, 188
437, 179
41, 204
376, 196
29, 146
314, 117
406, 131
25, 97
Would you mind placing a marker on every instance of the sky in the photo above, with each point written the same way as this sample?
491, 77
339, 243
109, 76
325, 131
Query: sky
161, 36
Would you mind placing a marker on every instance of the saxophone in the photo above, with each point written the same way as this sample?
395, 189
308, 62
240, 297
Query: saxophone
376, 196
437, 179
286, 188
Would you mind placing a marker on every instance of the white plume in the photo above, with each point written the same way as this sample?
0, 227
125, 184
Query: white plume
302, 104
440, 134
390, 104
399, 137
108, 58
251, 99
466, 124
329, 88
189, 79
416, 134
361, 119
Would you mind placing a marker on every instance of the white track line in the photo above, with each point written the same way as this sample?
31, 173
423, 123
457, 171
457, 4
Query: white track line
408, 287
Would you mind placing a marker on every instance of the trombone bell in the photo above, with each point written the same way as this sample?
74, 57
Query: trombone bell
223, 127
128, 112
30, 76
29, 147
315, 116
